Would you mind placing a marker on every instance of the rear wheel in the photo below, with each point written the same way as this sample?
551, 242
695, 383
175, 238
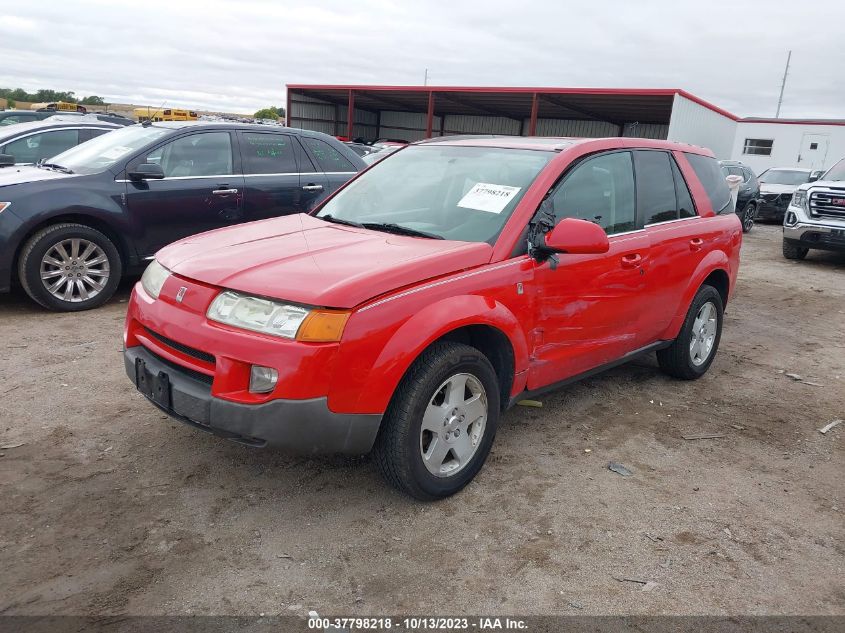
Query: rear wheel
69, 267
440, 424
748, 217
691, 353
791, 251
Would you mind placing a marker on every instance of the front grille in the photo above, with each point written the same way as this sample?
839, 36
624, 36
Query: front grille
771, 197
180, 347
196, 375
828, 203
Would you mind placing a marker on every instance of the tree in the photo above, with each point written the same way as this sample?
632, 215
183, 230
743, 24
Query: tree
273, 112
10, 103
93, 100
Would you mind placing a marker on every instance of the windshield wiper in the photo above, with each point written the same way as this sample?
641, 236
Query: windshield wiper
330, 218
390, 227
55, 167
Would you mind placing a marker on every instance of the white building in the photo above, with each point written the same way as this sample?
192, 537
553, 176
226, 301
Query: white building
416, 112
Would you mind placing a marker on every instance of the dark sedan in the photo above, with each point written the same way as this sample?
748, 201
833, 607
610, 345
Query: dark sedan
776, 189
27, 143
70, 227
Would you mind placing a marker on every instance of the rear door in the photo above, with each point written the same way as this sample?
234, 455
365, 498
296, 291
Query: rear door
202, 190
675, 232
333, 165
271, 164
588, 308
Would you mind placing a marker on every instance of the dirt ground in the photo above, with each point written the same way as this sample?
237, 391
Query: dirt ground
107, 508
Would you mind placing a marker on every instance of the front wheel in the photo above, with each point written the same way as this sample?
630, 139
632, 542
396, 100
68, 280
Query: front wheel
790, 251
440, 424
69, 267
691, 353
748, 217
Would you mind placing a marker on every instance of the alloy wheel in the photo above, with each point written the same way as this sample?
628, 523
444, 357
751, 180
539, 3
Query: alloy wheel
453, 425
703, 334
75, 270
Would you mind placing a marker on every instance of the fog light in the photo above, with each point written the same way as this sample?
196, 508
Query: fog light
791, 219
262, 379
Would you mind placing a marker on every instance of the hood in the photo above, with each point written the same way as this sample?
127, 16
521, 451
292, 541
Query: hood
305, 260
766, 187
16, 175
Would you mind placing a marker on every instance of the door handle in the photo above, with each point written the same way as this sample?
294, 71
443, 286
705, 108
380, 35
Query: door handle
632, 260
312, 187
696, 243
224, 192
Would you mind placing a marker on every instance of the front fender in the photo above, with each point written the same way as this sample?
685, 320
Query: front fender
411, 338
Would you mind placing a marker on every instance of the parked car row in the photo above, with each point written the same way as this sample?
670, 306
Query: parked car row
70, 226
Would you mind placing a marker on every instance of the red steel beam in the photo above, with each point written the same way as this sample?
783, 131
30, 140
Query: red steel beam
350, 115
535, 107
429, 117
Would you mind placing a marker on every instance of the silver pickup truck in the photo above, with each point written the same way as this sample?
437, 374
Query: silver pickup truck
815, 217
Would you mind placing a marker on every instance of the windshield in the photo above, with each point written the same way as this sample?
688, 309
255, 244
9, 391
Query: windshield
837, 172
104, 151
785, 177
453, 192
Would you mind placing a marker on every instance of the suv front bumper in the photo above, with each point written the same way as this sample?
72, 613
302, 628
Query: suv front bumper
821, 236
303, 426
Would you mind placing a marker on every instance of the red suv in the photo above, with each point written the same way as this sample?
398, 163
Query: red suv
434, 291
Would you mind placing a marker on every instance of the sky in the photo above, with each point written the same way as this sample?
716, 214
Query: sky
237, 56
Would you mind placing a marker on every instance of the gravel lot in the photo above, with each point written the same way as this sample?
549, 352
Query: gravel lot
107, 508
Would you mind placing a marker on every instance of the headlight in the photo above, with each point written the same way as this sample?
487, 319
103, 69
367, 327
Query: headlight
4, 205
277, 319
153, 278
259, 315
799, 199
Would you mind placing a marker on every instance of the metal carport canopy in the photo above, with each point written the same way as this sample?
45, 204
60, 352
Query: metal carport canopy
612, 105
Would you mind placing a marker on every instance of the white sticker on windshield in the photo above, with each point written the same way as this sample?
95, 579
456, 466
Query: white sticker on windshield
115, 152
486, 197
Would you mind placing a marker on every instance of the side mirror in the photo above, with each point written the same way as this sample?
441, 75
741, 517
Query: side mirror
577, 237
816, 175
6, 160
147, 171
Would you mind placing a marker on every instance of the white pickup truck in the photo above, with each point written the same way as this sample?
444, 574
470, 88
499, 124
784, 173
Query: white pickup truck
815, 217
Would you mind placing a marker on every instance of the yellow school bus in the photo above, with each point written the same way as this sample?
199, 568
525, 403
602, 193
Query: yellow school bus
59, 106
164, 114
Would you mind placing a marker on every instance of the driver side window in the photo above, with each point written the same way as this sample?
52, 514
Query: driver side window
204, 154
601, 190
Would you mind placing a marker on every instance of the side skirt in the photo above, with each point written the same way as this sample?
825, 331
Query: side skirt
591, 372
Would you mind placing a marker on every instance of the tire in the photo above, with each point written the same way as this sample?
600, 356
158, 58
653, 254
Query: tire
790, 251
92, 279
748, 216
681, 359
407, 454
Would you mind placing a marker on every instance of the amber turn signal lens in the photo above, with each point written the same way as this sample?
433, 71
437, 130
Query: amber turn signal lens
322, 326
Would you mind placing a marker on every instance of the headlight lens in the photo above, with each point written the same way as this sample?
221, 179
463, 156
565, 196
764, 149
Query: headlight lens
259, 315
153, 278
799, 199
4, 205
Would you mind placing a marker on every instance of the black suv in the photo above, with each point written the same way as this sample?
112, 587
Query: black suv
748, 200
70, 227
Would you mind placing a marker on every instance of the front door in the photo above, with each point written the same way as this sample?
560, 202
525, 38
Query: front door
588, 309
200, 191
814, 149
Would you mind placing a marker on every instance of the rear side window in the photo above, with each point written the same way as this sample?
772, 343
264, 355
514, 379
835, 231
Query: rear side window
713, 180
328, 158
686, 209
655, 187
268, 153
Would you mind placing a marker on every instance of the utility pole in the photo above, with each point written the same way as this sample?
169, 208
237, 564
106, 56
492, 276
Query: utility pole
425, 81
783, 84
